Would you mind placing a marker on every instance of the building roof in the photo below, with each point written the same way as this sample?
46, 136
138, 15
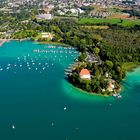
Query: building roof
111, 86
44, 16
84, 72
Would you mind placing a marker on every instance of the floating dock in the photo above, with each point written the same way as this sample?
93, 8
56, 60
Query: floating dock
70, 68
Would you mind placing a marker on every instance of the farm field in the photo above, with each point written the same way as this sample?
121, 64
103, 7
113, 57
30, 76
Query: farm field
95, 21
95, 27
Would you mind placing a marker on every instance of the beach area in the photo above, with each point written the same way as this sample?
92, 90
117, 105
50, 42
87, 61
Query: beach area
2, 41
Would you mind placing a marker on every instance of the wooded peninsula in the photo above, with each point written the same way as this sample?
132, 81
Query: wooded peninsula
107, 50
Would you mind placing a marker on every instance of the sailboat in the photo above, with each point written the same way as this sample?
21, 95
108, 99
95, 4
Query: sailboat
13, 127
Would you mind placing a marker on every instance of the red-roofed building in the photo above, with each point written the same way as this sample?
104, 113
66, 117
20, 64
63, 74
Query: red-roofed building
85, 74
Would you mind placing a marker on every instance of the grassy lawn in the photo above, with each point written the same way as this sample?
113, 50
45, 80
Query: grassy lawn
130, 66
130, 23
94, 21
97, 20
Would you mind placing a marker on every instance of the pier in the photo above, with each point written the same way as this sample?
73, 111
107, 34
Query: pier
71, 67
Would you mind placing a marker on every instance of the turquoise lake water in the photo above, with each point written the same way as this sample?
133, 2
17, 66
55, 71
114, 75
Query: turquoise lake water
34, 93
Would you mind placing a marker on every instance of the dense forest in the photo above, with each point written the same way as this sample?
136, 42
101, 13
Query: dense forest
120, 44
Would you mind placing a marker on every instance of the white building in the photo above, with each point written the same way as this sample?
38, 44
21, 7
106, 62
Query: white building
44, 16
111, 87
47, 35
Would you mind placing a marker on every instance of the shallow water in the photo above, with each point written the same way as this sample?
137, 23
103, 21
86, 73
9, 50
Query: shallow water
34, 94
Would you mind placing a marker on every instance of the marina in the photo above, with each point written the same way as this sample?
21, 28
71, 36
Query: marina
37, 101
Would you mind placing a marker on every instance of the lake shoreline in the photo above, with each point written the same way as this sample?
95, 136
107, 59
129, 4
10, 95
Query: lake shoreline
81, 90
53, 43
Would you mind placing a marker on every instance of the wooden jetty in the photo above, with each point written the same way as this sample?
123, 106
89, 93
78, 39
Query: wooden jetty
70, 68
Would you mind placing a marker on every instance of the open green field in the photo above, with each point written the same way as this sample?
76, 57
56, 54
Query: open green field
130, 23
94, 21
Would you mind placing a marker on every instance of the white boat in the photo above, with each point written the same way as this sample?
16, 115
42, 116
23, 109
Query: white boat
119, 96
65, 108
13, 127
52, 124
115, 95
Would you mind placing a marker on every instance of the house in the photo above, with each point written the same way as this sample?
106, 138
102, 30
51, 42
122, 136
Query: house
80, 11
47, 35
85, 74
106, 74
111, 87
